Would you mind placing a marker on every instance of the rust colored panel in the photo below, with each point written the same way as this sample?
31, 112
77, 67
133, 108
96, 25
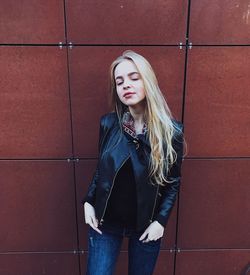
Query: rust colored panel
34, 106
230, 24
89, 74
40, 21
133, 22
39, 264
165, 263
217, 121
168, 240
83, 262
215, 205
37, 206
207, 262
84, 172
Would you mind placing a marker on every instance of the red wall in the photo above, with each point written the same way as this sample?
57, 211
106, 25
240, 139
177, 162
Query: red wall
50, 104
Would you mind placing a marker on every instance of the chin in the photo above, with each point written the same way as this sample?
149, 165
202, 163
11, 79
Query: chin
131, 104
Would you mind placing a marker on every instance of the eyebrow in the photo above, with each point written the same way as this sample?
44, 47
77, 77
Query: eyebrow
128, 74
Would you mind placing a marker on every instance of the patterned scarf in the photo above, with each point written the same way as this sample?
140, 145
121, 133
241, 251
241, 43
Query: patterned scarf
128, 125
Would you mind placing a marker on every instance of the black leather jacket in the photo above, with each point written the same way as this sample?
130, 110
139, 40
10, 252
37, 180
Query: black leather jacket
153, 202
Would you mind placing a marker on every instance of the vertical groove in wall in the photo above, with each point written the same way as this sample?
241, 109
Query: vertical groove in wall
72, 136
69, 86
77, 228
65, 22
182, 120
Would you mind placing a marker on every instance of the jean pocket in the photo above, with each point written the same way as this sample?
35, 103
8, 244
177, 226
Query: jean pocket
151, 246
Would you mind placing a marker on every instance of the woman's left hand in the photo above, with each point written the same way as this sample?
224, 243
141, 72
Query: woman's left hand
153, 232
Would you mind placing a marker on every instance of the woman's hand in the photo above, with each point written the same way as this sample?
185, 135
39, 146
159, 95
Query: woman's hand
153, 232
90, 218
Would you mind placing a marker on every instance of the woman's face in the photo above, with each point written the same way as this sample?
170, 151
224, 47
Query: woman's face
129, 85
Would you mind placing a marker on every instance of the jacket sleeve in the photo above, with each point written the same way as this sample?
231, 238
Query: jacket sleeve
90, 196
170, 191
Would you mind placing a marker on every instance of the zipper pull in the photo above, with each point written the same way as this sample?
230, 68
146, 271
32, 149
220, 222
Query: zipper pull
137, 144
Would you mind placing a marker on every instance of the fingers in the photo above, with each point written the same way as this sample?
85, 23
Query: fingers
143, 236
150, 238
152, 233
146, 241
93, 222
96, 229
147, 238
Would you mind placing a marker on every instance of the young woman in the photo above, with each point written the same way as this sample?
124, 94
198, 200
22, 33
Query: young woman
138, 173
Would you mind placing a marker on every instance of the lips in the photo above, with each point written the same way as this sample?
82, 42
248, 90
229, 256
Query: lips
128, 94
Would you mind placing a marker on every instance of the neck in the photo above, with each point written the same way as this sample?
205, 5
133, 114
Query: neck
137, 111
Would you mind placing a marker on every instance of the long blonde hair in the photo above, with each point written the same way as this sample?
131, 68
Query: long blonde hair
157, 114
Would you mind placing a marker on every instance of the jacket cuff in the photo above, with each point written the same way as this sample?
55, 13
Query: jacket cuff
87, 199
162, 220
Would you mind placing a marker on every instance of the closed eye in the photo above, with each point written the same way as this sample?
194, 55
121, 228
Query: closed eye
133, 77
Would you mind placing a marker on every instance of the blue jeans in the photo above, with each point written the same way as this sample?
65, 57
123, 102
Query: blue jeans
104, 250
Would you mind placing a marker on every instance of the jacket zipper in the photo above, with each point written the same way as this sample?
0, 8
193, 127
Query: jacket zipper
151, 220
101, 221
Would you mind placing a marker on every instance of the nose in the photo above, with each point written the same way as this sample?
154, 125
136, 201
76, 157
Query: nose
126, 84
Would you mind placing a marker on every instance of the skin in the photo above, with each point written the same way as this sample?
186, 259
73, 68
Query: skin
128, 79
